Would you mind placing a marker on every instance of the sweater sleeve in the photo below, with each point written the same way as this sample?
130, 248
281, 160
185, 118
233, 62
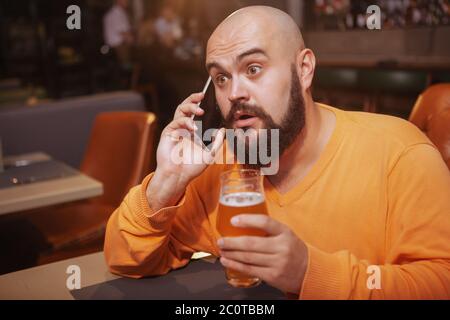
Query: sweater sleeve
139, 242
417, 240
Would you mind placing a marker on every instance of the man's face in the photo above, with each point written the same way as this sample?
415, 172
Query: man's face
256, 84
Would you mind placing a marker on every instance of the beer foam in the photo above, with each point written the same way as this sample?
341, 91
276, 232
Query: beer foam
242, 199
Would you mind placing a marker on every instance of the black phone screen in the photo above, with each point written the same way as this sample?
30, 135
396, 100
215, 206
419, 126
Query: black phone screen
212, 118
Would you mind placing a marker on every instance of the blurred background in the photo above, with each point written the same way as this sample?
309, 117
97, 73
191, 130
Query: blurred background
95, 99
161, 53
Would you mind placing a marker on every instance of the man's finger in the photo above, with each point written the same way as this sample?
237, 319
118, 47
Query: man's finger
215, 146
194, 98
182, 123
253, 258
187, 110
246, 243
258, 221
249, 269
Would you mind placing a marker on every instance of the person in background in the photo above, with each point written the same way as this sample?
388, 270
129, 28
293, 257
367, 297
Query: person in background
146, 32
155, 60
189, 47
118, 32
168, 26
138, 13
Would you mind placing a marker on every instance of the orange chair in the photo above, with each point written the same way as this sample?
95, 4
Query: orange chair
431, 114
120, 154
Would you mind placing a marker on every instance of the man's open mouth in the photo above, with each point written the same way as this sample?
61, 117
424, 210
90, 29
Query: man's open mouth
244, 119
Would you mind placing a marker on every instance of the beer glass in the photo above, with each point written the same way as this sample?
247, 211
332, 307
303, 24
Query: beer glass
241, 191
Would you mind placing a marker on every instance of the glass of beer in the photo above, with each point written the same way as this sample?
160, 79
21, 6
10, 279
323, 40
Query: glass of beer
241, 191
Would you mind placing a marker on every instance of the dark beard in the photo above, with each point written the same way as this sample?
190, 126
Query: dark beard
291, 125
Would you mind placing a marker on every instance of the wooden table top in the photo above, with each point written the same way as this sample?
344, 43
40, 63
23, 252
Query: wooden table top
48, 192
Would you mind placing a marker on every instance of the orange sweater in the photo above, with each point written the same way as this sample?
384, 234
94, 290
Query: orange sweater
378, 195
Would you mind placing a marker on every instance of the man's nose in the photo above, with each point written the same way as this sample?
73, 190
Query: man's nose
238, 91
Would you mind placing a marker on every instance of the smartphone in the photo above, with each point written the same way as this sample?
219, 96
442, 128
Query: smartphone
211, 118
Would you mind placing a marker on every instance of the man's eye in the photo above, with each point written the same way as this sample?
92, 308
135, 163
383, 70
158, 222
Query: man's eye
221, 79
252, 70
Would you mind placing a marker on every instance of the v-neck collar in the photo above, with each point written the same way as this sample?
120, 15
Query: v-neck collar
316, 170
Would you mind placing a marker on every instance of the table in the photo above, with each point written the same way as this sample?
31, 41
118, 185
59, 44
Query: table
202, 279
49, 281
49, 192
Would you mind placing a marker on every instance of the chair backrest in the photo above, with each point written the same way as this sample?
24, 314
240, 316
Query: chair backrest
336, 78
60, 128
120, 152
399, 82
431, 113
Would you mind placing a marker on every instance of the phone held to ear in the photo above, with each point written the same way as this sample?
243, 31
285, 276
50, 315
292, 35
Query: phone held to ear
211, 118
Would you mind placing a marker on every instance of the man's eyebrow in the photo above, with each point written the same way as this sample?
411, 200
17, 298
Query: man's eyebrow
251, 52
239, 58
211, 65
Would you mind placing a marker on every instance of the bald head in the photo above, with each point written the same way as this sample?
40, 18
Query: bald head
269, 26
261, 72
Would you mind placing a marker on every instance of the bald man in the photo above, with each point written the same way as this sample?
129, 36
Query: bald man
360, 205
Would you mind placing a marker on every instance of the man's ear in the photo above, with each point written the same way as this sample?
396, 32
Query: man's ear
306, 64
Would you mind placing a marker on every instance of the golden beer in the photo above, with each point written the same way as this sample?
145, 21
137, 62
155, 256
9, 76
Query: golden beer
234, 204
241, 194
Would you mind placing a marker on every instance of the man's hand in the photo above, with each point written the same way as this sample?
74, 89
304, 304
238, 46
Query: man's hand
280, 259
179, 149
181, 155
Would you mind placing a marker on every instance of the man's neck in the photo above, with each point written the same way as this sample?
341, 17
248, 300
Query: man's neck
299, 158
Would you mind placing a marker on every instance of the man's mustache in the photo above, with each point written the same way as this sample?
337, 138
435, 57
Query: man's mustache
246, 108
